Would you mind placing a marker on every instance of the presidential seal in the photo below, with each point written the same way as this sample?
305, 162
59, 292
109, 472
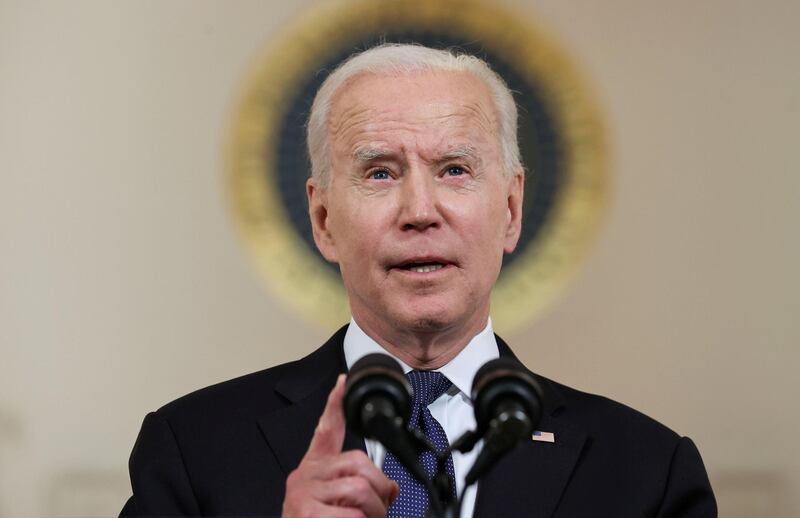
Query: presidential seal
560, 132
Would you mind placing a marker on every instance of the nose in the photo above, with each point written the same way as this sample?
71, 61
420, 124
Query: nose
419, 203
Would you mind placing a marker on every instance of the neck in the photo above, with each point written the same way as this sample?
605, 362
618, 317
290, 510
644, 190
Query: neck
424, 345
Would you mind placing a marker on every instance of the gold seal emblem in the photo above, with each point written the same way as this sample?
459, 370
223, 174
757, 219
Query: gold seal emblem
560, 133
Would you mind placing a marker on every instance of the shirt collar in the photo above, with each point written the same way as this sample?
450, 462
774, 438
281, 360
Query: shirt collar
460, 370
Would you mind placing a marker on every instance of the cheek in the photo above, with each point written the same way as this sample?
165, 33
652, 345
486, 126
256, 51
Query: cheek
486, 219
484, 236
357, 230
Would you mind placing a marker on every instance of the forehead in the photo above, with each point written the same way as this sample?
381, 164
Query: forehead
427, 110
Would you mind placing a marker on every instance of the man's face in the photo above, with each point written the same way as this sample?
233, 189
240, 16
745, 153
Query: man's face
418, 212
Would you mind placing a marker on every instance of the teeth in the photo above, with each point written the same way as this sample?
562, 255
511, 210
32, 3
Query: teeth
426, 268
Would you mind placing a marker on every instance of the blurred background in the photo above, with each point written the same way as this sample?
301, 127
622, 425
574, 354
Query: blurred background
123, 284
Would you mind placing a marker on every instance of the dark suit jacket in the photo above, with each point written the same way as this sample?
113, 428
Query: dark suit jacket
227, 449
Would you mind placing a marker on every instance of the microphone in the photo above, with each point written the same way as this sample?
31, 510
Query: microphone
375, 386
508, 407
377, 405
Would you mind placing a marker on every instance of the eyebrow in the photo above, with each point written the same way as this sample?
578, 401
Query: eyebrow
369, 154
461, 152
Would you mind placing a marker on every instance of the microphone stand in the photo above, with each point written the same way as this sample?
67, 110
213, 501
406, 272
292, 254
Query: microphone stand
445, 483
445, 486
503, 433
440, 488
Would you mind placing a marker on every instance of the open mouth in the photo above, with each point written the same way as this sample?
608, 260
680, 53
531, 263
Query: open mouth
423, 265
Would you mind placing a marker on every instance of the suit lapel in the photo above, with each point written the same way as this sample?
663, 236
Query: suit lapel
530, 480
305, 386
289, 430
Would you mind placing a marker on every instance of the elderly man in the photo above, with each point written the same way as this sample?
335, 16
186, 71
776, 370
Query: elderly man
416, 193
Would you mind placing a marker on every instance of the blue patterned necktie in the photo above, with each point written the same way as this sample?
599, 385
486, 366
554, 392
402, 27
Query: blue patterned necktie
413, 498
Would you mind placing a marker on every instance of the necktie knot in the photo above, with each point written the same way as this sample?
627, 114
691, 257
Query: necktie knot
428, 386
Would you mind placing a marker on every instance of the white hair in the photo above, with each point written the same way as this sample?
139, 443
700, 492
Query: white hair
401, 59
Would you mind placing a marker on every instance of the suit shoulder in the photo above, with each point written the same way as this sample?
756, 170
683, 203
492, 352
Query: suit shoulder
251, 394
234, 395
600, 415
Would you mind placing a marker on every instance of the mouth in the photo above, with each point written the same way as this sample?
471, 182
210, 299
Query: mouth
423, 265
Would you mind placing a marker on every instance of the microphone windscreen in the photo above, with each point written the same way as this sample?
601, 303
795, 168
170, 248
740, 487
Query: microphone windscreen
376, 375
502, 380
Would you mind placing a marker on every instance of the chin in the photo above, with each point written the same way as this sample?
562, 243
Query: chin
428, 324
432, 320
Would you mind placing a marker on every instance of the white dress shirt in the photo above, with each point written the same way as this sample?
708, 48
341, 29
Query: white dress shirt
453, 409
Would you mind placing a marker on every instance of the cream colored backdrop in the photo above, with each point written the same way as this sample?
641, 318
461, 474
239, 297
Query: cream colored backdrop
122, 285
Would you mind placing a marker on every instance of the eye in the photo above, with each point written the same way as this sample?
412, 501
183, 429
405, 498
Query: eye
454, 170
379, 174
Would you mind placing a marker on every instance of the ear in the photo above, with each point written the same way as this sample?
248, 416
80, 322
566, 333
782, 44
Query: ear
516, 190
318, 212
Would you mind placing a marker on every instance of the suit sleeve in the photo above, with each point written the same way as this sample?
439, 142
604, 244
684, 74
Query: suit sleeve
688, 492
159, 478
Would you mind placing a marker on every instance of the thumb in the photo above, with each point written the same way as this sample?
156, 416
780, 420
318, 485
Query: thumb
329, 435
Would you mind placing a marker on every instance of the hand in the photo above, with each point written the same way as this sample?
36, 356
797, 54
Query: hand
331, 483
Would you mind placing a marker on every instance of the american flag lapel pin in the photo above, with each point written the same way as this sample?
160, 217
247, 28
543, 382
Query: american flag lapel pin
543, 436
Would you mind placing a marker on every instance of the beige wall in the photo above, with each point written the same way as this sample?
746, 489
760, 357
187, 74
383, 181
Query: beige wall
122, 285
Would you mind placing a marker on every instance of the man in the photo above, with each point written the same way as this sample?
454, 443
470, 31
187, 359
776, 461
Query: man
416, 193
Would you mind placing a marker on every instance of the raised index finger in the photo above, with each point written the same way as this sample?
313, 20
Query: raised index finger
329, 435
